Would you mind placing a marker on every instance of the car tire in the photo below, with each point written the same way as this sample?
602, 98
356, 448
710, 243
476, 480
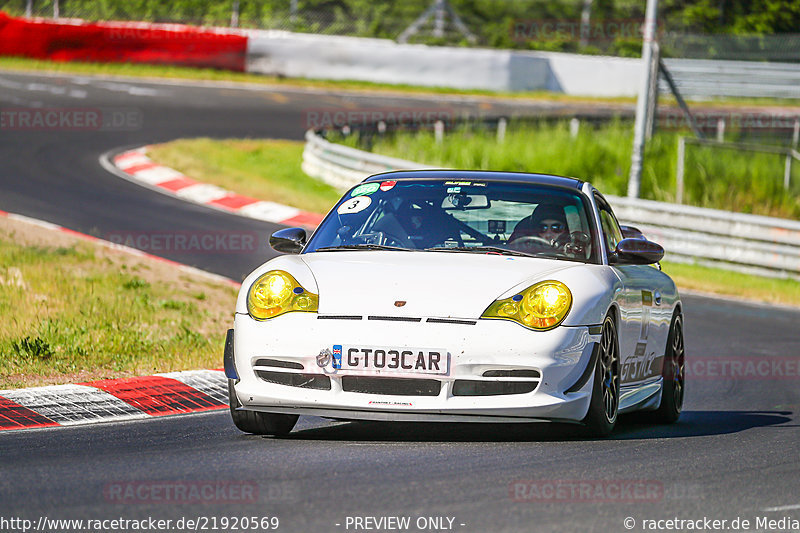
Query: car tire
256, 422
674, 374
604, 406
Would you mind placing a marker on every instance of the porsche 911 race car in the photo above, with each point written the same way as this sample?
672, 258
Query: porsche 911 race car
459, 296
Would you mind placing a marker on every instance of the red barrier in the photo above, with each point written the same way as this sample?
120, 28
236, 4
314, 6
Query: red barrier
118, 42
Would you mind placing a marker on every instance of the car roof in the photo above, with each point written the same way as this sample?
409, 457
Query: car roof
479, 175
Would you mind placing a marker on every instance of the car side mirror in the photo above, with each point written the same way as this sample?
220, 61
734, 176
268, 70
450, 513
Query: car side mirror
636, 251
288, 240
629, 232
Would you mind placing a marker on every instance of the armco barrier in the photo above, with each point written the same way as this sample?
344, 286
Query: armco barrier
282, 53
342, 166
735, 241
167, 44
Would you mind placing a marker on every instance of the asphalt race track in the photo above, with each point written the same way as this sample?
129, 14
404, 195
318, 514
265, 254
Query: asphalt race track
734, 454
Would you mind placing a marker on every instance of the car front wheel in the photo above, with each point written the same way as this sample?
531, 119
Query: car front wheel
604, 406
674, 375
256, 422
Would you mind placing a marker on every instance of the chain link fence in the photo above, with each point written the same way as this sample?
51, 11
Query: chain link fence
586, 26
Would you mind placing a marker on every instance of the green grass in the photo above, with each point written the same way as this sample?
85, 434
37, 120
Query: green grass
79, 313
264, 169
722, 179
734, 284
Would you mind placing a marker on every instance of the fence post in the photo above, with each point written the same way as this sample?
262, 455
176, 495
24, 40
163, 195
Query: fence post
642, 107
721, 130
796, 134
680, 171
29, 8
235, 14
56, 10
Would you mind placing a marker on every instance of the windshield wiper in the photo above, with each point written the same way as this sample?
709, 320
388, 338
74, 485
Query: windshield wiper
360, 247
479, 249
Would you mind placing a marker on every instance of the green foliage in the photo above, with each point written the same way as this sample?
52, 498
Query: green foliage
722, 179
492, 21
32, 348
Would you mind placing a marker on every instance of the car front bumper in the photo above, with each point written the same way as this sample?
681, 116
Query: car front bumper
560, 356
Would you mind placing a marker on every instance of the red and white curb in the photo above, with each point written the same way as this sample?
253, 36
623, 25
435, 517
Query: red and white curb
172, 393
134, 165
117, 400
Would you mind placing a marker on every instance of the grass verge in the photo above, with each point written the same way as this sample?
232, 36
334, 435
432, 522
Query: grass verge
723, 179
73, 311
710, 280
264, 169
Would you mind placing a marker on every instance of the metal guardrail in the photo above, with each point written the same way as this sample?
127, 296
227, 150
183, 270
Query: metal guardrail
342, 166
735, 241
746, 79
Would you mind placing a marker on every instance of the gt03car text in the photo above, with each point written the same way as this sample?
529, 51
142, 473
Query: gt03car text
459, 296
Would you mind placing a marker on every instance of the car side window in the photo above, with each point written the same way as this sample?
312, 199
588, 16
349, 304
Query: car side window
611, 231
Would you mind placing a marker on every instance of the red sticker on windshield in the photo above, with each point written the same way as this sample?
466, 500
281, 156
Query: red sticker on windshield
387, 185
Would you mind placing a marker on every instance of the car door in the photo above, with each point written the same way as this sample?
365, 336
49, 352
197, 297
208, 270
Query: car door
640, 360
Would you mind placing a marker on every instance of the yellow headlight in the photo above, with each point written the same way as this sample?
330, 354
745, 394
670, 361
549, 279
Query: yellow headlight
542, 306
276, 293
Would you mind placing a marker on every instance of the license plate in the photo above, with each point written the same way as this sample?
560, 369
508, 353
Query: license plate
390, 360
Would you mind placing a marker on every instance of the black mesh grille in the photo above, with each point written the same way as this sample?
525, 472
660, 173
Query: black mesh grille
306, 381
395, 318
395, 386
512, 374
278, 364
465, 387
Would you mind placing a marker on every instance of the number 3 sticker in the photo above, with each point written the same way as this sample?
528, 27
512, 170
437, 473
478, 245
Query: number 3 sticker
354, 205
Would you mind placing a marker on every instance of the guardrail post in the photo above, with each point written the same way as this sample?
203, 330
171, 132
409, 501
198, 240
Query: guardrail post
787, 173
574, 127
502, 124
721, 130
438, 131
680, 170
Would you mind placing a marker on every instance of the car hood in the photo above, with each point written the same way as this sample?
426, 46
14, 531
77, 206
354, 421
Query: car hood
432, 284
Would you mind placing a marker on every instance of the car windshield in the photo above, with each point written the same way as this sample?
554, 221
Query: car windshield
434, 215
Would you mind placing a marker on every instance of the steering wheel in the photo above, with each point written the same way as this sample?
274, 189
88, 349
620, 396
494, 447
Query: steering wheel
531, 241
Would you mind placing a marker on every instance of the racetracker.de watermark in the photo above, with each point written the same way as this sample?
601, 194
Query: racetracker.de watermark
181, 492
163, 32
71, 119
338, 118
190, 242
744, 368
596, 32
734, 120
587, 490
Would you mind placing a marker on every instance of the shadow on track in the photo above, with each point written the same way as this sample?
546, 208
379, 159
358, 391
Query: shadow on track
629, 427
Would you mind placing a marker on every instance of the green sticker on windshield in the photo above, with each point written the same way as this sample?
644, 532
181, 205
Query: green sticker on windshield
366, 188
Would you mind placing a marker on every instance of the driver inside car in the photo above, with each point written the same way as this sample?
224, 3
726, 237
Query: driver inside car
417, 225
548, 223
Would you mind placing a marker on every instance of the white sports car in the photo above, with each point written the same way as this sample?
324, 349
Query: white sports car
459, 296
